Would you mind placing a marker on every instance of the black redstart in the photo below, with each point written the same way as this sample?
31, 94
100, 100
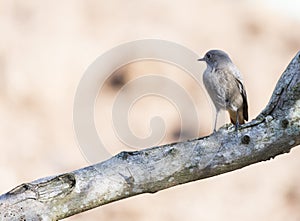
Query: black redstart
224, 85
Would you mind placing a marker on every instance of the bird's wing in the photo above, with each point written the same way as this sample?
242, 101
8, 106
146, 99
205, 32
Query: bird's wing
244, 96
235, 72
239, 80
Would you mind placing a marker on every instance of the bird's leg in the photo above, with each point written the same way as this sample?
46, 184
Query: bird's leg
237, 124
216, 119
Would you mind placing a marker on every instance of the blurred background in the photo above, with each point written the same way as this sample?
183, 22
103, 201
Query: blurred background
46, 46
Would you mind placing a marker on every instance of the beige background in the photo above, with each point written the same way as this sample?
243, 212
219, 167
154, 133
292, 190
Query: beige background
46, 46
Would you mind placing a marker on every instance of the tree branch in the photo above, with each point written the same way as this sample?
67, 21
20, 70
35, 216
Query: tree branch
275, 131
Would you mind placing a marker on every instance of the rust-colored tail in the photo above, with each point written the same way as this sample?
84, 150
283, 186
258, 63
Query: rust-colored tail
233, 117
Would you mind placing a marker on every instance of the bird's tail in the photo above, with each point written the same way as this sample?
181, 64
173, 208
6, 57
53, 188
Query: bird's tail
233, 116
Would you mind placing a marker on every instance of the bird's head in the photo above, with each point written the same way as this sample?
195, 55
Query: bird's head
215, 58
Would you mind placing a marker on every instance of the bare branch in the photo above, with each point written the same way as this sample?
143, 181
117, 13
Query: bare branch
275, 131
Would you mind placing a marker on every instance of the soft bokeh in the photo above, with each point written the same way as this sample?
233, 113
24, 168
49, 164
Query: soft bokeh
45, 47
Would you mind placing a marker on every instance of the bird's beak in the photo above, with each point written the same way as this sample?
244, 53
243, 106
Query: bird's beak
201, 59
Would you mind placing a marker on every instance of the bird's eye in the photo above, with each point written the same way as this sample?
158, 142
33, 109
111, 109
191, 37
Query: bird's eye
208, 56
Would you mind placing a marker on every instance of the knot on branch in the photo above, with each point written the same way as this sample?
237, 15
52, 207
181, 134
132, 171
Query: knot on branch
245, 139
60, 185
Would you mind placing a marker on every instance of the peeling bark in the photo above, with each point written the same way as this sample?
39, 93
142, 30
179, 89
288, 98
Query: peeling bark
275, 131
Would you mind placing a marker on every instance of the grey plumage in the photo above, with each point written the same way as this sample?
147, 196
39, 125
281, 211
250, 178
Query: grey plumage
224, 85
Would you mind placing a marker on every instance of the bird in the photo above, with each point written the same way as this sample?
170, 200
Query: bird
224, 84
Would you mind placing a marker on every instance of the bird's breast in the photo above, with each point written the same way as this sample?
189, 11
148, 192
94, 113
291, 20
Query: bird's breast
215, 86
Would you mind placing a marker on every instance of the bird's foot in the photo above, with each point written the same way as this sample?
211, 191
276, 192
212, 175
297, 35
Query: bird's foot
237, 126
